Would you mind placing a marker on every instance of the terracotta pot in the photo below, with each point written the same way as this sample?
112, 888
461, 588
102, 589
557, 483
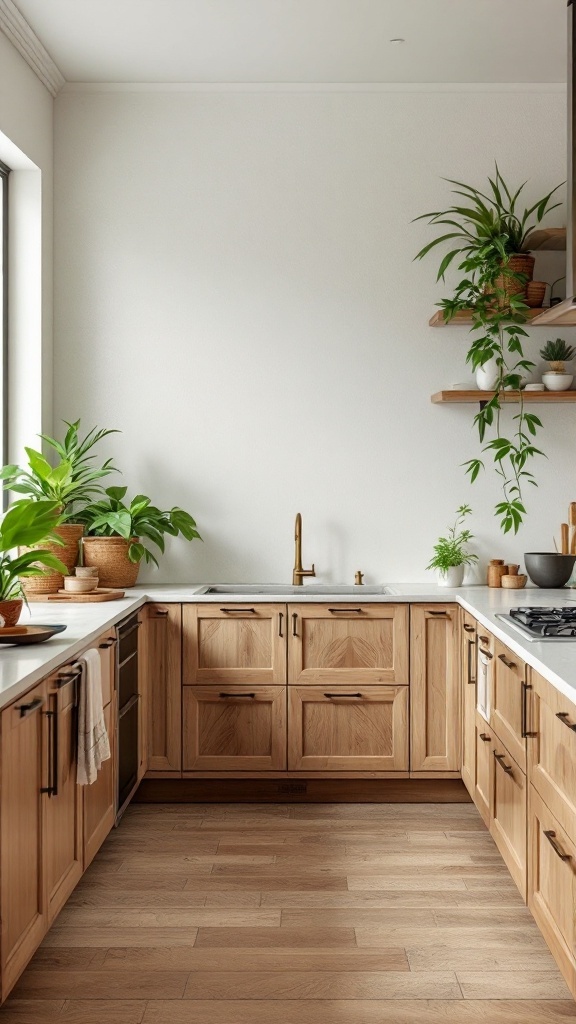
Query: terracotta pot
110, 556
50, 582
10, 612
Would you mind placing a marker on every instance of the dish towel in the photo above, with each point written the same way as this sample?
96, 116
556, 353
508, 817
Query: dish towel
93, 743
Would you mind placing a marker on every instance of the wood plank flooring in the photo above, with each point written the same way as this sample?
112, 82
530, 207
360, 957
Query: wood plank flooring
294, 914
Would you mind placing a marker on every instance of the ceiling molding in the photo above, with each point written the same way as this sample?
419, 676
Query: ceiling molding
25, 40
316, 87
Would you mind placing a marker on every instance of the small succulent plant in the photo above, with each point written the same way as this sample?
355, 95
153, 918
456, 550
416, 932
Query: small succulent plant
557, 353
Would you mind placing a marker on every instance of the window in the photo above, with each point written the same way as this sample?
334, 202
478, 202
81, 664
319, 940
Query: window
4, 173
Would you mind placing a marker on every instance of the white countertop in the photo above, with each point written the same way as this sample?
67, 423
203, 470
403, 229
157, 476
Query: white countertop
22, 667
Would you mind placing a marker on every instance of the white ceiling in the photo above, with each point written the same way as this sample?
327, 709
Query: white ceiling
302, 40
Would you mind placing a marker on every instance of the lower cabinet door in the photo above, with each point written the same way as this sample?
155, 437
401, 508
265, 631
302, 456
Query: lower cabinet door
342, 729
234, 728
468, 675
483, 754
552, 885
100, 799
508, 812
63, 847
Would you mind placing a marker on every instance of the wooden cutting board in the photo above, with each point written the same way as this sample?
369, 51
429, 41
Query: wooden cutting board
100, 594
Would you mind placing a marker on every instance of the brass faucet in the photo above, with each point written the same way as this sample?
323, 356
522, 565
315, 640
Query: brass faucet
299, 572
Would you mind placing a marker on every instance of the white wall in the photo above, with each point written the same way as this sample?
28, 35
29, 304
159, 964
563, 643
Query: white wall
26, 146
235, 291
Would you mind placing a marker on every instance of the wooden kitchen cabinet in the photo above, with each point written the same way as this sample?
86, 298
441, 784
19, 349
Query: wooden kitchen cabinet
234, 729
22, 880
468, 700
552, 750
552, 884
435, 688
508, 812
509, 702
234, 643
99, 810
347, 729
483, 760
340, 644
160, 662
63, 838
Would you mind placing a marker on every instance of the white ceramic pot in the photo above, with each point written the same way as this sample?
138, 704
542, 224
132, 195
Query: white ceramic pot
453, 577
555, 381
487, 375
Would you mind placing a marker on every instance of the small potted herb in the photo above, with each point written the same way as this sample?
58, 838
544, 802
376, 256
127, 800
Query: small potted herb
557, 353
450, 556
116, 533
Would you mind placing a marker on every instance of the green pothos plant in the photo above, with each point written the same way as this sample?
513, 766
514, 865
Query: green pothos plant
489, 230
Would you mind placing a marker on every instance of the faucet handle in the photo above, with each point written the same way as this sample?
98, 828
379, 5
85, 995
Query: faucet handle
359, 579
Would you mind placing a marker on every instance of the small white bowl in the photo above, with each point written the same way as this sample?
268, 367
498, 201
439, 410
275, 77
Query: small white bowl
555, 381
79, 585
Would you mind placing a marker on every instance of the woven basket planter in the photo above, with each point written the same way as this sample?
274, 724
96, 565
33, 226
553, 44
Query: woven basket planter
110, 556
10, 611
521, 263
50, 582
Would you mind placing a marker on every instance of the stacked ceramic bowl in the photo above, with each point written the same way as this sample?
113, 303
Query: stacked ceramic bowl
84, 582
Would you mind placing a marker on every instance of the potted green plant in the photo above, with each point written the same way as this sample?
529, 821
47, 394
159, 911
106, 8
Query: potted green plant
117, 532
450, 556
557, 353
72, 484
490, 239
26, 524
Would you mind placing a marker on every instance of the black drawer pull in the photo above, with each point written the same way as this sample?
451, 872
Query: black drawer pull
252, 695
238, 611
345, 611
342, 695
484, 639
551, 837
471, 674
524, 711
108, 643
68, 677
485, 653
29, 709
485, 738
563, 716
506, 661
507, 767
442, 613
294, 624
280, 621
469, 629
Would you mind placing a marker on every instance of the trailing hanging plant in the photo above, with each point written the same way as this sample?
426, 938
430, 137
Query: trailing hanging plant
490, 229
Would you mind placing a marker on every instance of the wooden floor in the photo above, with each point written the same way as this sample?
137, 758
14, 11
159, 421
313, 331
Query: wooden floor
300, 914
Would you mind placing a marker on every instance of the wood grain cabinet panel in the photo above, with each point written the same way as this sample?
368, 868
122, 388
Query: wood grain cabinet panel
24, 775
468, 701
552, 884
341, 644
161, 685
552, 750
239, 728
99, 811
509, 709
339, 729
63, 837
508, 812
483, 760
235, 643
435, 688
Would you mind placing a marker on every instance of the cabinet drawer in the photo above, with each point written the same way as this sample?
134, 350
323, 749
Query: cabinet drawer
552, 751
344, 729
342, 644
234, 643
509, 702
238, 728
508, 812
552, 885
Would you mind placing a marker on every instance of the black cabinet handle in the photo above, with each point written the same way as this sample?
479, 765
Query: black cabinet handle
107, 643
471, 675
226, 695
485, 653
551, 837
52, 788
29, 709
524, 711
485, 738
506, 661
160, 613
501, 761
442, 613
331, 695
484, 639
294, 624
469, 629
280, 621
68, 677
238, 611
345, 611
564, 716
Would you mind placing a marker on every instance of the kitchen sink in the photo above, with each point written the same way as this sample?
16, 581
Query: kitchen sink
320, 589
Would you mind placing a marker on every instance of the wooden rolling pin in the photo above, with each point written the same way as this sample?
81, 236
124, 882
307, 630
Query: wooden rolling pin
564, 548
572, 524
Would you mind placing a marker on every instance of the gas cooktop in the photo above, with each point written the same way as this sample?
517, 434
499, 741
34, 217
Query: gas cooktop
543, 623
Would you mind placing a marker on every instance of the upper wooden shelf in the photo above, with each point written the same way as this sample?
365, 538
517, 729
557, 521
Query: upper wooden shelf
458, 397
463, 316
547, 240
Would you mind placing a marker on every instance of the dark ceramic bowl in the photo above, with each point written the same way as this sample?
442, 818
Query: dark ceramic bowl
547, 569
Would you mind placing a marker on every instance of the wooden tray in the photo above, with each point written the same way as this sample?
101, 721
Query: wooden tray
100, 594
28, 634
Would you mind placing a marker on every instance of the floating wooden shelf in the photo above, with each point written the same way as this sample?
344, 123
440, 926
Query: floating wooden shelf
460, 397
546, 240
463, 316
